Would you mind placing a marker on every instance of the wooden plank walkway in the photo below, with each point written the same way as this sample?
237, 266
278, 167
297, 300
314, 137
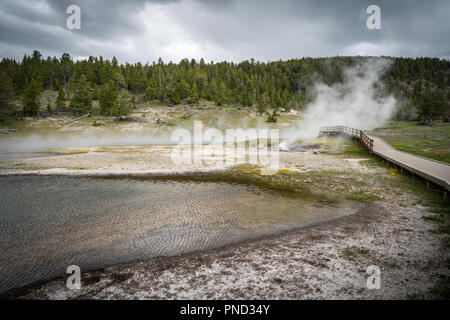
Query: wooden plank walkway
431, 170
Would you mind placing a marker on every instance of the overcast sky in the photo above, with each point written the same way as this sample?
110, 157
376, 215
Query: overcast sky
224, 30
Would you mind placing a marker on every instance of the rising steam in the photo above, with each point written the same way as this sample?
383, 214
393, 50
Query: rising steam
358, 102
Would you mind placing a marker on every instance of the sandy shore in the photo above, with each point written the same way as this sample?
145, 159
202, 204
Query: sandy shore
326, 261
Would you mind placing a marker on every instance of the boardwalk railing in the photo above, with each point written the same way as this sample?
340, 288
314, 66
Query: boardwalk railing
430, 170
356, 134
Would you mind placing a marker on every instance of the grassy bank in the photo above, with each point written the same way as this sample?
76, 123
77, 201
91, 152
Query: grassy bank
427, 141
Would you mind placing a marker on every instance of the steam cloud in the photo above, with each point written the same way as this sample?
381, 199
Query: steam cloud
356, 102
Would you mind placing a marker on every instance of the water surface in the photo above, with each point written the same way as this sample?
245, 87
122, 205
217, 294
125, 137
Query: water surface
49, 223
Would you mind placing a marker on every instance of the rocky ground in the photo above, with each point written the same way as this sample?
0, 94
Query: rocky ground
326, 261
117, 160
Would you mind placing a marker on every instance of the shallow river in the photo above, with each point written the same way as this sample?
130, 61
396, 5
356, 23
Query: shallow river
49, 223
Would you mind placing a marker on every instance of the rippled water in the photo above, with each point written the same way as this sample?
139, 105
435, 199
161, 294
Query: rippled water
49, 223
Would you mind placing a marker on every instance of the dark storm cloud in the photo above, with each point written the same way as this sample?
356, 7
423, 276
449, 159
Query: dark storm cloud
224, 30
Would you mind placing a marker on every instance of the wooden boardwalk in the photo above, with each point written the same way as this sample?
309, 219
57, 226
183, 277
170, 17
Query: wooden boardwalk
431, 170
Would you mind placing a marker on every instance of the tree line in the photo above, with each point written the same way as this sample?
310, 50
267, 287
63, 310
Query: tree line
421, 84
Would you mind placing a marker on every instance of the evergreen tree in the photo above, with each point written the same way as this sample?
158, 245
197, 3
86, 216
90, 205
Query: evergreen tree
6, 92
272, 117
275, 84
434, 105
61, 100
95, 93
30, 95
81, 101
119, 80
182, 89
71, 87
108, 96
121, 107
151, 93
262, 103
220, 97
193, 96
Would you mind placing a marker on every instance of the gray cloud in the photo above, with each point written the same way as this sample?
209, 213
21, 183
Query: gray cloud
224, 30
